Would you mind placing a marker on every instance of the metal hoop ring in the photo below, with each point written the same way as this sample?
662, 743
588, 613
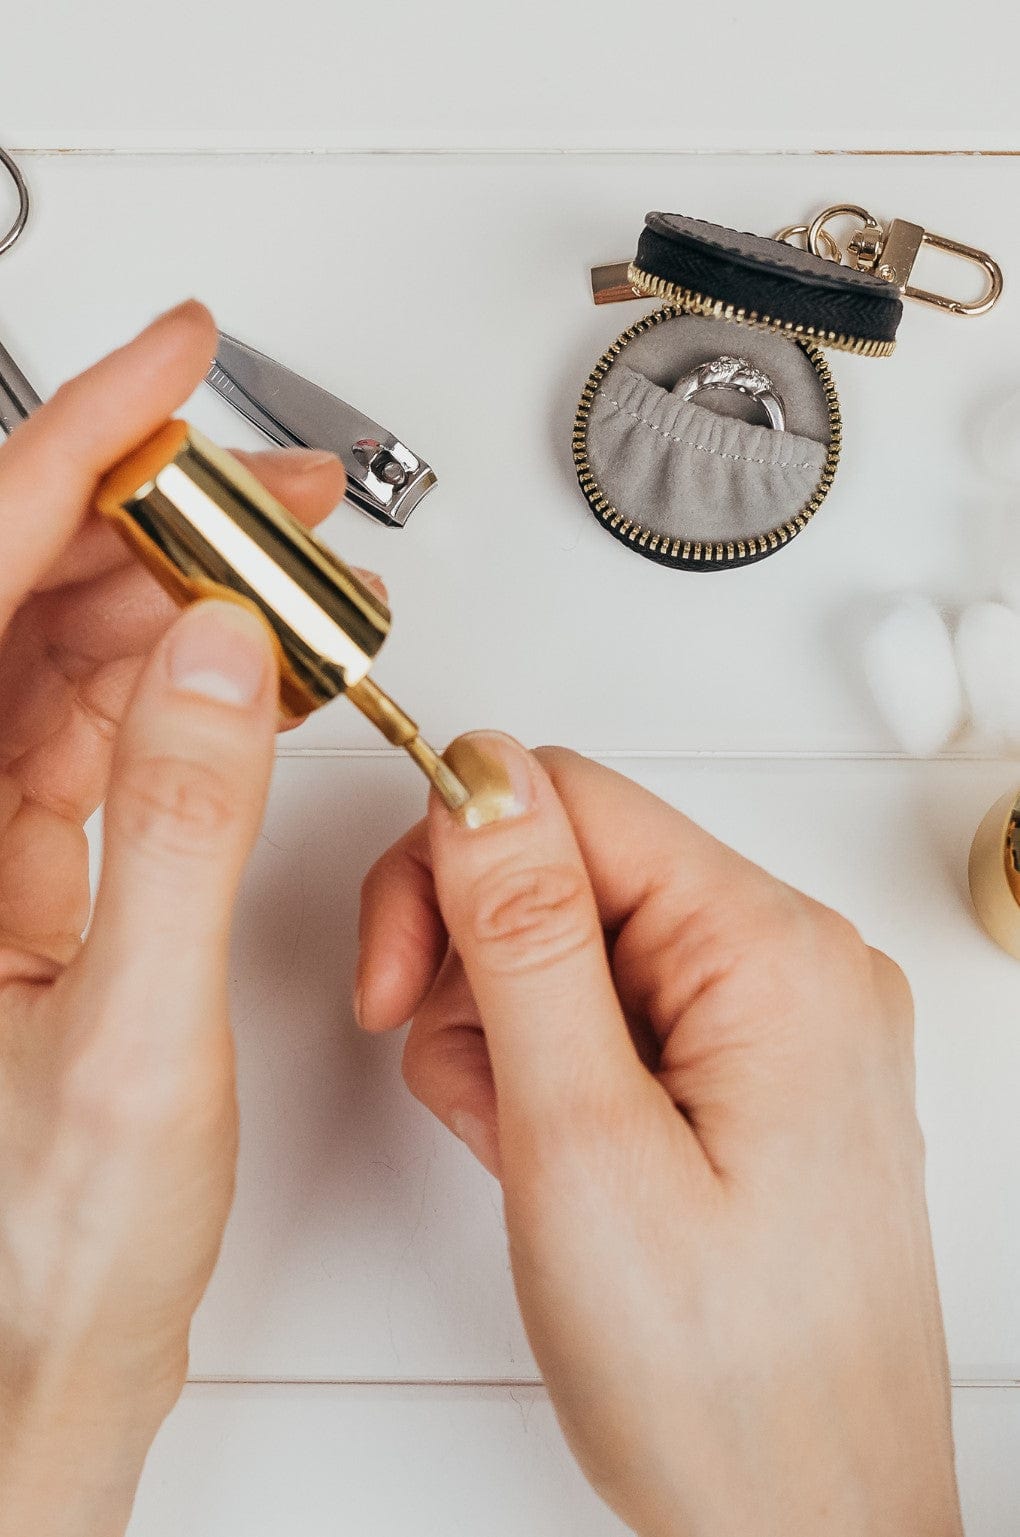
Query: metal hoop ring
730, 373
837, 211
21, 219
791, 232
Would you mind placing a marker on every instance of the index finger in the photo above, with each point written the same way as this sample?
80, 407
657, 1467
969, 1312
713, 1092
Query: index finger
50, 465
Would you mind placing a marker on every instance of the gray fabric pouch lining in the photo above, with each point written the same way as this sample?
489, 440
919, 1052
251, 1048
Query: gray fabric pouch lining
706, 471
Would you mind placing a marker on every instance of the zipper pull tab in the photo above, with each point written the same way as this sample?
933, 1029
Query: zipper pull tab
611, 284
891, 251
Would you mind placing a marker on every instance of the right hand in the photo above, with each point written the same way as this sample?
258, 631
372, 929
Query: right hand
697, 1088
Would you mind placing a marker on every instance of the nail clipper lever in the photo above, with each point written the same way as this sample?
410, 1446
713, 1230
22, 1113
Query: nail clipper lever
384, 478
18, 399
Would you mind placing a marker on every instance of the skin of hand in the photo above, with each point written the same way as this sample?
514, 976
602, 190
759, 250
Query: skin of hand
118, 1123
697, 1088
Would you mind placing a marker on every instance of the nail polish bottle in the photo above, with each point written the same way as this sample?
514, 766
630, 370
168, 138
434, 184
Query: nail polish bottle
206, 527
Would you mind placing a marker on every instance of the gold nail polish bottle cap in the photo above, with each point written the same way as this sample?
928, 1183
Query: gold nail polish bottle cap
995, 873
206, 527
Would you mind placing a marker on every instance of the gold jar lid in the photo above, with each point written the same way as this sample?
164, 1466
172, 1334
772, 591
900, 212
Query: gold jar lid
995, 873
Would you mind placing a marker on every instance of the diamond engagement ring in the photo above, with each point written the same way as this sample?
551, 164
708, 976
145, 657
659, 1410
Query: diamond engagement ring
738, 374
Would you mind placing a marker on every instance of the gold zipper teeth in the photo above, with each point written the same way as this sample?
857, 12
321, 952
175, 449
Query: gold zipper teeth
686, 552
692, 303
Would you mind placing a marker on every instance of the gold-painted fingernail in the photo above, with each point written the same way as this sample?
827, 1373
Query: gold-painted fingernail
496, 772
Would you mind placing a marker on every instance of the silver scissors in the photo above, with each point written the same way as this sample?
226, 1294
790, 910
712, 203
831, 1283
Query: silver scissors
384, 477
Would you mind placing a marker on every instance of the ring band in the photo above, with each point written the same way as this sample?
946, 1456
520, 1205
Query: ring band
728, 373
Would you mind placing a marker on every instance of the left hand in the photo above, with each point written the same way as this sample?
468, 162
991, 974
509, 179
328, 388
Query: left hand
118, 1123
696, 1086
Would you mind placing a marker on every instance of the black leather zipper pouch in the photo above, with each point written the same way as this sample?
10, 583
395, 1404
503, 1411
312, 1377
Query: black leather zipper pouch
709, 433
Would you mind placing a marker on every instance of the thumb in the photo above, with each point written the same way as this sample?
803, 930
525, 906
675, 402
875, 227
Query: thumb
519, 907
186, 798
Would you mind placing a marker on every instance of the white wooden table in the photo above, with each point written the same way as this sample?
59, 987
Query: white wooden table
359, 1365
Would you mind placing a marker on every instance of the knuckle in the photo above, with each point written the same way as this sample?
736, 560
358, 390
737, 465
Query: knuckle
379, 879
763, 915
442, 1050
843, 954
895, 998
526, 919
415, 1067
808, 931
171, 805
66, 395
839, 934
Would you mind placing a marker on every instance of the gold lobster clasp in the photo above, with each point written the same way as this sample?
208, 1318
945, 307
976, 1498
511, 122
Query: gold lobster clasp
891, 250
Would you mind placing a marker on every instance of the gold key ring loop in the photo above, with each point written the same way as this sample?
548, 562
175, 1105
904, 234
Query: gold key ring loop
816, 228
21, 218
792, 232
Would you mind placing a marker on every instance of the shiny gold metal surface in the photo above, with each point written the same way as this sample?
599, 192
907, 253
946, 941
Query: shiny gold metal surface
891, 250
206, 527
791, 234
995, 873
611, 284
398, 727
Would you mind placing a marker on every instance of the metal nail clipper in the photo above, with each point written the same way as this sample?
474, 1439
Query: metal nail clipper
204, 526
385, 479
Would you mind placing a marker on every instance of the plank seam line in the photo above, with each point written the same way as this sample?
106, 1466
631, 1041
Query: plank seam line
276, 150
468, 1384
693, 755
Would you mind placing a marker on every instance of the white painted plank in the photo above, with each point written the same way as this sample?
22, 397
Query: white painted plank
365, 1243
471, 332
435, 1462
578, 73
986, 1422
442, 1462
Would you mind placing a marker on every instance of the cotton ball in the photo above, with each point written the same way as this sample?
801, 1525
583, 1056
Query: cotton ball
911, 670
988, 652
999, 438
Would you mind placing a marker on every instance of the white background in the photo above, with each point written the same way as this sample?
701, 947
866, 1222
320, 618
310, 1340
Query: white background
359, 1363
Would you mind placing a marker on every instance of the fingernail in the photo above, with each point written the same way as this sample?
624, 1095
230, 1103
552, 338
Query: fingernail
181, 307
301, 461
477, 1138
371, 580
359, 1006
496, 771
219, 650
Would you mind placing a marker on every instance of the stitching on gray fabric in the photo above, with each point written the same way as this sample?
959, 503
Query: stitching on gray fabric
717, 453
